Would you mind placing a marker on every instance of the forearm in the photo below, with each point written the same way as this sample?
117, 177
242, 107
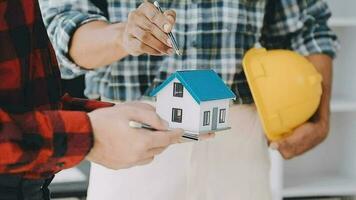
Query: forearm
323, 64
97, 44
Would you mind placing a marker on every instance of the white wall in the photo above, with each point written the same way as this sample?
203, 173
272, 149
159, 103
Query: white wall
191, 110
343, 8
208, 106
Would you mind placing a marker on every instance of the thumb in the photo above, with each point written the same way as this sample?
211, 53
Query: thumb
294, 144
150, 118
166, 138
175, 135
284, 147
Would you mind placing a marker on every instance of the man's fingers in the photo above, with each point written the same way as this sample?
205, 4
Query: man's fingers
207, 136
150, 118
147, 25
286, 149
274, 145
170, 15
150, 27
303, 139
144, 106
144, 48
146, 161
155, 151
146, 113
164, 139
175, 135
155, 16
146, 37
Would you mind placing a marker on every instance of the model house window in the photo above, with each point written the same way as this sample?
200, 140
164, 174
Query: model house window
206, 119
222, 115
178, 90
177, 115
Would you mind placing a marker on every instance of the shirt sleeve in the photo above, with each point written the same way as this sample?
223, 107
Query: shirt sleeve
299, 25
61, 19
40, 143
78, 104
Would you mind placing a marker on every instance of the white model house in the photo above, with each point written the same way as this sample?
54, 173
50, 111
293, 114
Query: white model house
194, 100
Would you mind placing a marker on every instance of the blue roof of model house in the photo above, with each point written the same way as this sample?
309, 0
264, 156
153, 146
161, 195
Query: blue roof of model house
203, 85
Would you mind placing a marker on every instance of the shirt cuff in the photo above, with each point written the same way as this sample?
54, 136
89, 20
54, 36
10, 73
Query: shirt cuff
39, 144
72, 146
315, 37
327, 45
73, 20
78, 104
72, 140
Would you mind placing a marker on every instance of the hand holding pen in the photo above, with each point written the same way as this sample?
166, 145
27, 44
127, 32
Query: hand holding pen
148, 31
170, 34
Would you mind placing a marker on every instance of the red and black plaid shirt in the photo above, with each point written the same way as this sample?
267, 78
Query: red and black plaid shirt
39, 136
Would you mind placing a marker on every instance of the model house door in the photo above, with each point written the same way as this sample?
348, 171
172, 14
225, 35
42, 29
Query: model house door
214, 124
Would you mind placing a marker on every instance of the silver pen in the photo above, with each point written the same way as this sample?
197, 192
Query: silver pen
170, 34
187, 134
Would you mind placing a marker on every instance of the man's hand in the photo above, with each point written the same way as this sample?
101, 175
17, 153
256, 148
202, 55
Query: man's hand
302, 139
312, 133
146, 31
117, 145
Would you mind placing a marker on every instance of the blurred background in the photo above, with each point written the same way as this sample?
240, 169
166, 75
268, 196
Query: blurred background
327, 172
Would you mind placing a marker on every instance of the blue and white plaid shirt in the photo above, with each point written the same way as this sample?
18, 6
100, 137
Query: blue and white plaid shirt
214, 34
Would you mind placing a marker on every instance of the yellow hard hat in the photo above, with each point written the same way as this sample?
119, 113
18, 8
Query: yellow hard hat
286, 89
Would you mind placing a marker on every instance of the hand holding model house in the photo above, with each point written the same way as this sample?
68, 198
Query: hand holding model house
198, 100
